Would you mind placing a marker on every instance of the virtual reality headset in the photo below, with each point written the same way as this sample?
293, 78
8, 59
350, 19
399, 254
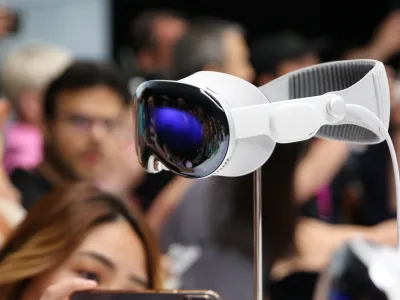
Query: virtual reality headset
214, 124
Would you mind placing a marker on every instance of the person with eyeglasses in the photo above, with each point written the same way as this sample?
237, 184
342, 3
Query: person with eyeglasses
87, 131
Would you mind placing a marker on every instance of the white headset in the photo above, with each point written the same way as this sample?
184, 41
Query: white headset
344, 100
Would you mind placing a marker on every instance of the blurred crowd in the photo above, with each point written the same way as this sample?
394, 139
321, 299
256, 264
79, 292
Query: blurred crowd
78, 211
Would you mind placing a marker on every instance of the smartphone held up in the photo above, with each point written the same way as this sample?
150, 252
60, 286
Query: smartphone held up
146, 295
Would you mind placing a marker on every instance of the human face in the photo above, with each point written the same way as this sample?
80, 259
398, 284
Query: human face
87, 122
115, 263
237, 56
167, 31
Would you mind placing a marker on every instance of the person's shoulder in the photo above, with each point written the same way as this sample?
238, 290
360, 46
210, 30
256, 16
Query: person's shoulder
22, 178
22, 175
31, 184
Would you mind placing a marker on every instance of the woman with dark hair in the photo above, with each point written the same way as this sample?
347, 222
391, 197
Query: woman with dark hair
78, 238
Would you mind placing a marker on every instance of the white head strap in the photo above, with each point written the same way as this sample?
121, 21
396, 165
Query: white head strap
362, 83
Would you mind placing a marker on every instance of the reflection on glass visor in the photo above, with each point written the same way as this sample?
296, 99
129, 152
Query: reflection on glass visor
179, 131
181, 125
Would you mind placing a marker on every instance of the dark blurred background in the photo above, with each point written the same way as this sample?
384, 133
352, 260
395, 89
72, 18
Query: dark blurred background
307, 216
346, 23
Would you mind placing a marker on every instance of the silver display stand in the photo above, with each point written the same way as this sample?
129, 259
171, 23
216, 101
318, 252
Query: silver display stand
258, 261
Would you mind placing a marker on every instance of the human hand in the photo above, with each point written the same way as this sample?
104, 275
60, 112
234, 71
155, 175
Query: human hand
314, 247
386, 40
63, 290
384, 233
316, 241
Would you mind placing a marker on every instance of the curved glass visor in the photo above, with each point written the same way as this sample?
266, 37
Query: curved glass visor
183, 126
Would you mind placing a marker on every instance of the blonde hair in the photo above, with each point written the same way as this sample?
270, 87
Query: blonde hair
32, 67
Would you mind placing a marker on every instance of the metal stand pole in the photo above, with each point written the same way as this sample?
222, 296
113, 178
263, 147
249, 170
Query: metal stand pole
258, 262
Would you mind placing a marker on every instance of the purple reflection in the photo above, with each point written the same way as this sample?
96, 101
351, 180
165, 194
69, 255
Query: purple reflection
178, 129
